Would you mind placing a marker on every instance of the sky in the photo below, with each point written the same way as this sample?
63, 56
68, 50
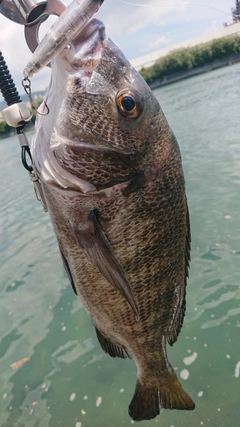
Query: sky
138, 27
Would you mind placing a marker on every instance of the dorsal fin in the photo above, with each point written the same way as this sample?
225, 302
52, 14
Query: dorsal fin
181, 307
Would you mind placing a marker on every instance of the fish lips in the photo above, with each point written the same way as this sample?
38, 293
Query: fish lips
93, 58
81, 57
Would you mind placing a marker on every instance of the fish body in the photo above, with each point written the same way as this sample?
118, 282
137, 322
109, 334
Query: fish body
111, 174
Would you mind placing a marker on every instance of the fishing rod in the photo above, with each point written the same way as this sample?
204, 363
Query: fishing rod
17, 115
31, 14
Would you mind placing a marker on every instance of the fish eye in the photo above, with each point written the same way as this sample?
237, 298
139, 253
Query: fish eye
129, 103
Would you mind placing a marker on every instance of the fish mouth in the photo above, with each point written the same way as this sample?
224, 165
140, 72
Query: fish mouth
83, 54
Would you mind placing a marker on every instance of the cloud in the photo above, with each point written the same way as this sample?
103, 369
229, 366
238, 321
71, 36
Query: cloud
136, 26
13, 48
128, 18
155, 44
125, 24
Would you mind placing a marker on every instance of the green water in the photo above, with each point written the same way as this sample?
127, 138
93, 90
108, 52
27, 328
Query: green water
42, 320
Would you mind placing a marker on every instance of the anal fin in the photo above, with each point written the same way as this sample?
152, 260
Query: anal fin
112, 349
68, 271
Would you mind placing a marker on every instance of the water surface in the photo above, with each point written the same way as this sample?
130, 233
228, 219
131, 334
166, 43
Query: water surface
65, 379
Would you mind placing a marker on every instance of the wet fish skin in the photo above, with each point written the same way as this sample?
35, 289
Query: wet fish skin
115, 192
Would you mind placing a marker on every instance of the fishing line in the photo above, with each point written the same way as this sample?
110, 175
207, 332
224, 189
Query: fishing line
174, 4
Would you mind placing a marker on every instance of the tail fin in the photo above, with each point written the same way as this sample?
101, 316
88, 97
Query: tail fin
145, 403
172, 395
148, 399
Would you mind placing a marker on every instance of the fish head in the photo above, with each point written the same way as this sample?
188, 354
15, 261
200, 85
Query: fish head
97, 102
105, 96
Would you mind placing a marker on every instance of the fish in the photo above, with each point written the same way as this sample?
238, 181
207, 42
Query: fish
111, 174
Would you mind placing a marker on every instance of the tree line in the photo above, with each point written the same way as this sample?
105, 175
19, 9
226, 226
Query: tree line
186, 59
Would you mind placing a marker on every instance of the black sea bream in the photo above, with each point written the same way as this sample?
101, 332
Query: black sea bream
111, 173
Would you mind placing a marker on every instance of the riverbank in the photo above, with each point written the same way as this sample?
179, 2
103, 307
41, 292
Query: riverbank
150, 59
187, 62
213, 65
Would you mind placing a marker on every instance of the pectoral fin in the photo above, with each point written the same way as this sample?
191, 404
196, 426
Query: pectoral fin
92, 239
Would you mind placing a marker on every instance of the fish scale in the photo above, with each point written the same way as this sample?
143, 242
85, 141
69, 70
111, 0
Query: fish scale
114, 187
